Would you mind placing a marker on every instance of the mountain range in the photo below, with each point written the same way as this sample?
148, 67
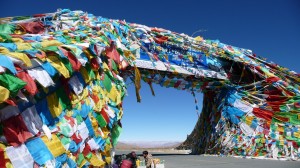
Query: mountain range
147, 144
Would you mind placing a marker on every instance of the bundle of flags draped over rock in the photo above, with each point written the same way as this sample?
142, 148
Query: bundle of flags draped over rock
62, 82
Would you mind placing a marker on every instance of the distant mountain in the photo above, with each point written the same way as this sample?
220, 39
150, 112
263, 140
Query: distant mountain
147, 144
122, 145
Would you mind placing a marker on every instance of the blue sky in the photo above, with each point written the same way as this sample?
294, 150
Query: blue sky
270, 28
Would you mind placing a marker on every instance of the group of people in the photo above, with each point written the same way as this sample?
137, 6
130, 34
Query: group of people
129, 160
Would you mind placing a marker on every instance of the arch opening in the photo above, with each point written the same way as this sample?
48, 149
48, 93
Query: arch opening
166, 117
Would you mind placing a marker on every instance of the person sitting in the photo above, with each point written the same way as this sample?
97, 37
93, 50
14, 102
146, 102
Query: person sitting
148, 160
133, 158
118, 160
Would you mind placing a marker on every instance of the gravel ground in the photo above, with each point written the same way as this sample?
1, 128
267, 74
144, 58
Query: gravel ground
182, 160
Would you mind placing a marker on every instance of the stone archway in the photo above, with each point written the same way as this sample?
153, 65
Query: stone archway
62, 82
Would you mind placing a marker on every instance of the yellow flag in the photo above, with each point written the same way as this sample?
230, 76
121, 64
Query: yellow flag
137, 83
17, 40
113, 94
48, 43
54, 105
57, 64
20, 56
4, 94
23, 46
85, 75
96, 161
198, 38
54, 145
